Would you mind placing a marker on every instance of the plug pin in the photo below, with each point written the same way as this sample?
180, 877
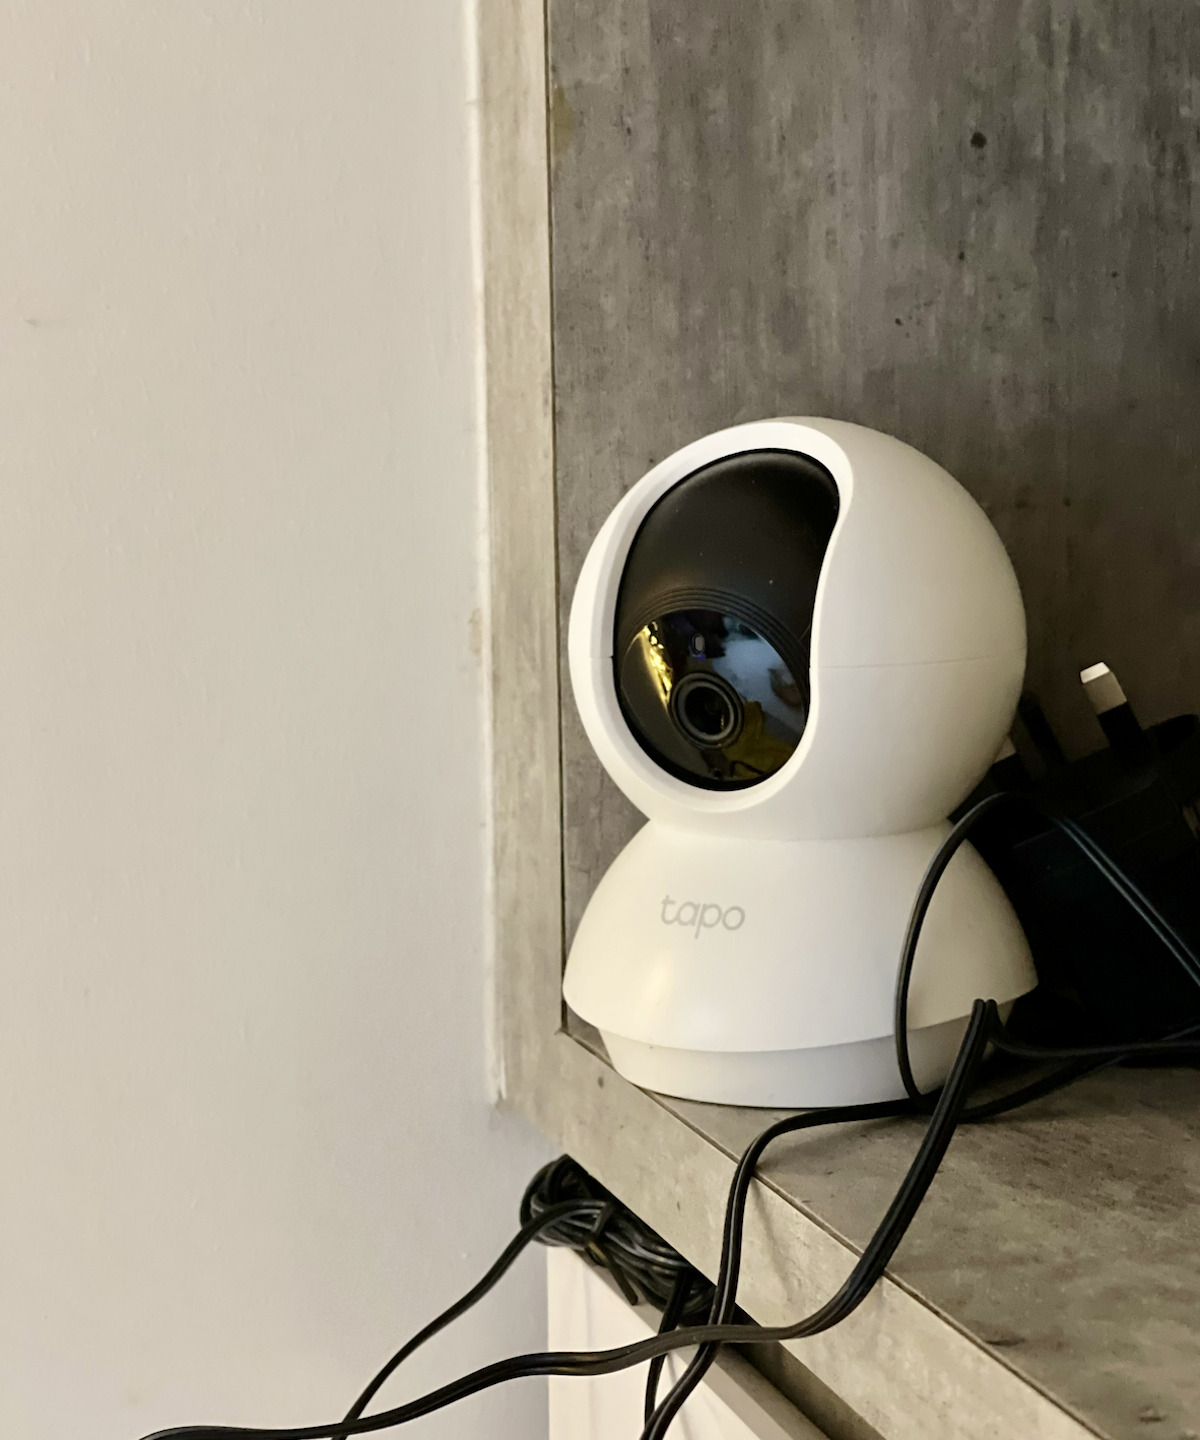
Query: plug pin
1130, 743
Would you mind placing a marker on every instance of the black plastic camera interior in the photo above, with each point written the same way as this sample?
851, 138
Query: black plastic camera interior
714, 617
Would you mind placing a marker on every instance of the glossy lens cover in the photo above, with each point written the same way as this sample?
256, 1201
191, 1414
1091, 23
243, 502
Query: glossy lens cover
710, 699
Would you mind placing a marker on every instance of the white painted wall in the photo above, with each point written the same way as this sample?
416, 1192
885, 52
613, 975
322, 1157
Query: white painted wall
245, 1140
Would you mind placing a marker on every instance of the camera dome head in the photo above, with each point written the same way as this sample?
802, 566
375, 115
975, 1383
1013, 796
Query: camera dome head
871, 632
714, 616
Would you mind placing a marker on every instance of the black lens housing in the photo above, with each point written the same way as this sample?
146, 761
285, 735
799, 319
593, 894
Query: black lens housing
707, 709
714, 617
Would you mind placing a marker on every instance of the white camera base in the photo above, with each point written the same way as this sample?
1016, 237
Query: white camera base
860, 1073
763, 972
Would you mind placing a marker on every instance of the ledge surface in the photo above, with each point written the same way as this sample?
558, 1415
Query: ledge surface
1050, 1282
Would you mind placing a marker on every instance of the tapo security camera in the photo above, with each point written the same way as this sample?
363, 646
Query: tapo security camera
795, 645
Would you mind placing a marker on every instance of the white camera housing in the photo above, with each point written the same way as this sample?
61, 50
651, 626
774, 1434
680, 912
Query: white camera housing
743, 947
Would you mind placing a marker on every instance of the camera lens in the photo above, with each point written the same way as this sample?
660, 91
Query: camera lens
707, 710
710, 699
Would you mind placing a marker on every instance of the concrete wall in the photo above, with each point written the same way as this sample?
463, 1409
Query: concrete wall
970, 224
246, 1139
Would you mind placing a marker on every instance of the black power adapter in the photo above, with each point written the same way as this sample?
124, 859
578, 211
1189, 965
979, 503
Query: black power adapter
1104, 976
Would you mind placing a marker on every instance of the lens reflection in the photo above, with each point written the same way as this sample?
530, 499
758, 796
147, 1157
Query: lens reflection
711, 699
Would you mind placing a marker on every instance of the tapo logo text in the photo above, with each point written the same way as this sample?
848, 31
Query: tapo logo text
695, 916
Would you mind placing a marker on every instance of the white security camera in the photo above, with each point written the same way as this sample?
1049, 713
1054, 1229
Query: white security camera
796, 646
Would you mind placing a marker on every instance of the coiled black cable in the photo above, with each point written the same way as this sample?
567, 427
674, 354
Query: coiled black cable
644, 1266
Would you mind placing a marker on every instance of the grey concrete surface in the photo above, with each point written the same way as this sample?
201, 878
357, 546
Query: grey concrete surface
1066, 1237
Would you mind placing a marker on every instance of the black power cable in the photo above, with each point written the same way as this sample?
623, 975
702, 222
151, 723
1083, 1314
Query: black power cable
563, 1205
671, 1317
724, 1300
578, 1212
588, 1217
858, 1285
1084, 1059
